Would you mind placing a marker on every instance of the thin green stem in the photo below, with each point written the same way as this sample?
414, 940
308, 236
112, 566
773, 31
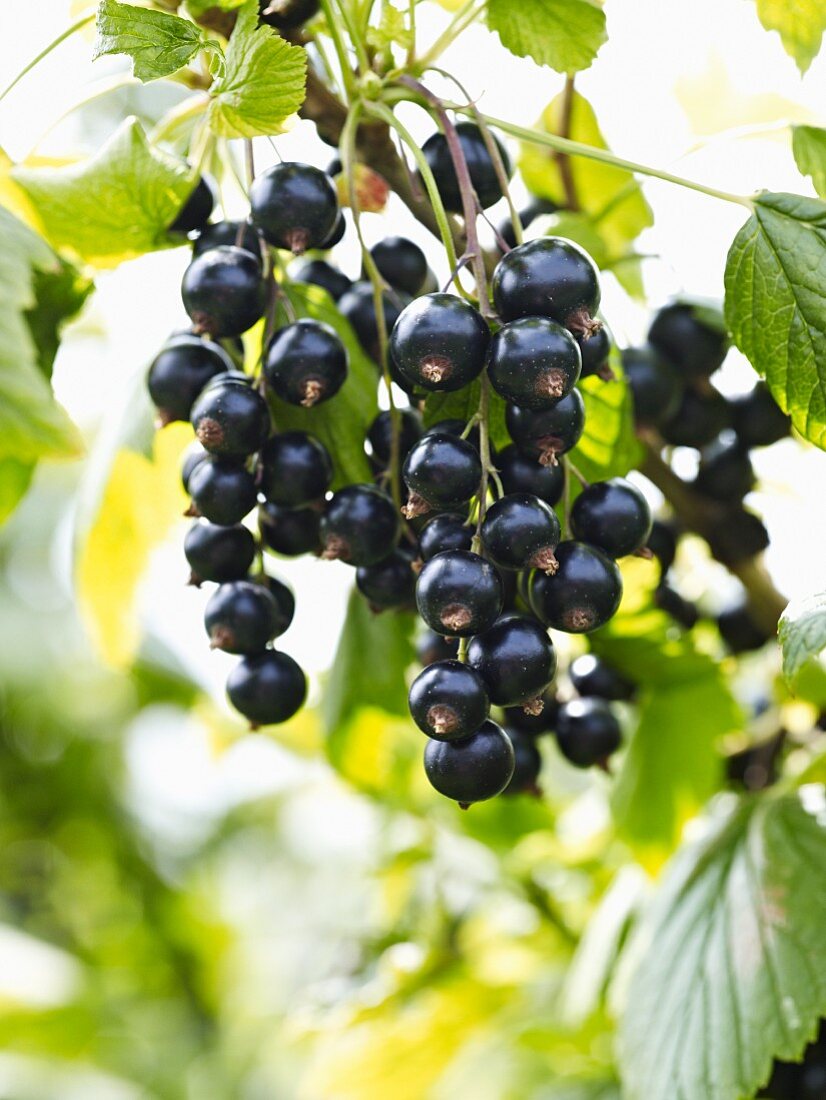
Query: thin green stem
76, 26
340, 46
356, 37
411, 47
114, 85
462, 19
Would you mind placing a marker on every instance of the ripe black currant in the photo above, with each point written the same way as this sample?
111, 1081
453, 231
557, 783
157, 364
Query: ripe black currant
447, 531
439, 342
222, 491
582, 595
480, 166
527, 764
294, 205
432, 647
337, 234
757, 418
459, 593
662, 542
390, 583
284, 599
267, 688
595, 350
587, 732
739, 630
441, 472
194, 455
448, 701
725, 472
380, 434
521, 532
675, 605
306, 363
290, 531
228, 233
592, 677
699, 418
223, 291
527, 215
521, 474
548, 277
534, 362
656, 386
285, 15
230, 418
358, 307
547, 433
457, 428
473, 769
516, 660
740, 536
359, 525
197, 210
180, 371
218, 553
320, 273
532, 720
612, 515
401, 263
242, 617
295, 469
693, 338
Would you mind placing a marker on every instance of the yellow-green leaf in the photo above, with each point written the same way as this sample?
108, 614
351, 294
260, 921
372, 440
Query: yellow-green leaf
800, 24
809, 148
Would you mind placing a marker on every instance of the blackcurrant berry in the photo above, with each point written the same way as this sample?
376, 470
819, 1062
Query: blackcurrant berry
457, 428
223, 291
193, 457
527, 215
516, 660
294, 205
358, 307
725, 472
592, 677
480, 166
242, 617
548, 433
230, 234
533, 721
520, 474
757, 418
693, 338
587, 732
295, 469
680, 609
337, 234
742, 535
284, 15
612, 515
432, 647
448, 531
267, 688
390, 583
218, 553
222, 491
197, 210
459, 593
401, 263
662, 542
380, 434
359, 525
533, 362
306, 363
595, 350
441, 472
290, 531
548, 277
230, 418
699, 418
527, 764
284, 599
656, 386
439, 342
582, 595
473, 769
521, 532
179, 373
448, 701
739, 630
320, 273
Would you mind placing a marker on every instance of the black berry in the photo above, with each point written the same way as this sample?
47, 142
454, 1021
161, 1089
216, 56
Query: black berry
662, 542
448, 701
521, 532
739, 630
693, 338
521, 474
390, 583
582, 595
243, 617
675, 605
439, 342
739, 536
591, 676
284, 15
294, 205
459, 593
527, 215
306, 363
548, 277
757, 418
197, 210
231, 234
548, 433
699, 418
179, 373
320, 273
359, 525
480, 166
290, 531
527, 764
380, 434
401, 263
267, 688
516, 660
725, 472
230, 418
218, 553
193, 457
448, 531
534, 721
534, 362
587, 732
656, 386
612, 515
337, 233
295, 469
473, 769
222, 491
432, 647
595, 349
358, 307
223, 291
441, 472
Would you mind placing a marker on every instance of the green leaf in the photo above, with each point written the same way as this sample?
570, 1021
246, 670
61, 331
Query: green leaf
802, 633
800, 25
114, 206
462, 405
197, 8
728, 967
609, 446
59, 294
809, 148
563, 34
159, 44
775, 306
263, 83
15, 478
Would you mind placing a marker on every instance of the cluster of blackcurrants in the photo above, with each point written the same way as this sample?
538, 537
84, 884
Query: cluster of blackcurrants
800, 1081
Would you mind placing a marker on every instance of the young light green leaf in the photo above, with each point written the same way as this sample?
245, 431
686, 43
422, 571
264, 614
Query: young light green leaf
159, 44
809, 148
728, 968
15, 478
802, 633
263, 83
114, 206
609, 446
800, 25
775, 305
197, 8
563, 34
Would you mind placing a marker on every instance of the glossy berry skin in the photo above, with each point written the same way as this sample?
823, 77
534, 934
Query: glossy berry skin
698, 420
527, 764
595, 351
457, 428
515, 658
548, 433
533, 722
682, 334
230, 418
223, 291
179, 373
613, 516
284, 599
448, 701
268, 688
197, 210
226, 233
521, 532
725, 472
294, 205
587, 732
222, 491
337, 234
447, 531
290, 531
548, 277
439, 342
534, 362
295, 469
218, 553
741, 536
380, 434
389, 584
739, 630
432, 647
243, 617
662, 542
306, 363
285, 15
582, 595
459, 594
656, 386
357, 307
757, 418
592, 677
194, 455
441, 472
320, 273
401, 263
359, 525
473, 769
480, 166
521, 474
